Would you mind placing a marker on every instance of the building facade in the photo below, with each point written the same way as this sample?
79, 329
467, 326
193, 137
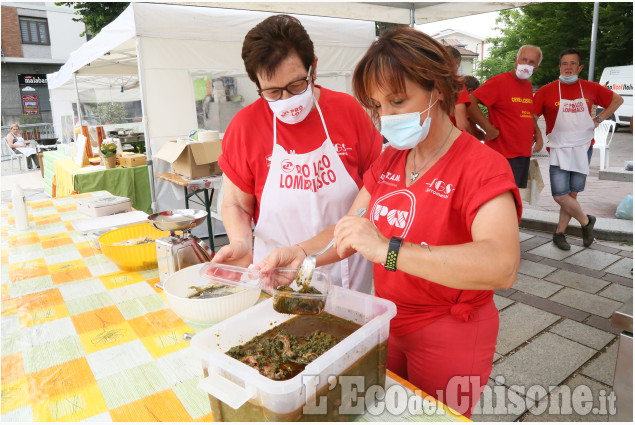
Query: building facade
469, 45
37, 39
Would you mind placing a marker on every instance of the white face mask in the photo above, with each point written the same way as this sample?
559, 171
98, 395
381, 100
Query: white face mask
294, 109
523, 72
403, 131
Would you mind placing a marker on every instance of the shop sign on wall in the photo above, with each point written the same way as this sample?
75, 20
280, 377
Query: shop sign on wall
30, 104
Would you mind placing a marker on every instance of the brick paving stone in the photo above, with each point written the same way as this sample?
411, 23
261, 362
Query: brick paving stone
550, 306
551, 251
573, 268
535, 269
492, 409
603, 368
604, 248
524, 236
623, 246
602, 323
531, 257
617, 292
584, 301
577, 281
548, 360
628, 254
534, 242
538, 287
618, 279
502, 302
519, 323
505, 292
584, 334
622, 268
593, 259
554, 408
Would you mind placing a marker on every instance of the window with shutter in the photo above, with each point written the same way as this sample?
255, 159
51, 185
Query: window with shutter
34, 30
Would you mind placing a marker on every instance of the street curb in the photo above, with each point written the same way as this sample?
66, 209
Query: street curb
607, 229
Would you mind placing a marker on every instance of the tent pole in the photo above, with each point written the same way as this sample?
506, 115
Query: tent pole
79, 107
594, 39
146, 128
412, 15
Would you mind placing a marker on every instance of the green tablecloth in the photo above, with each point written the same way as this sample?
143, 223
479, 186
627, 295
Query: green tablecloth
131, 182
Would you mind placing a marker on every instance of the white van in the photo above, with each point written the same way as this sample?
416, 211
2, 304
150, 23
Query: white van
620, 80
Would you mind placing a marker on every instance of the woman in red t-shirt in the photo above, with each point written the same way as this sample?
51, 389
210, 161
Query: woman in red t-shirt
442, 221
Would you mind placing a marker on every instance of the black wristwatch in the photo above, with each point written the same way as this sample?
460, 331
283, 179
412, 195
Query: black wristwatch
393, 250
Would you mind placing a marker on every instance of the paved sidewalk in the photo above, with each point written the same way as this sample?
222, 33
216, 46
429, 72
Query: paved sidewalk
554, 326
600, 197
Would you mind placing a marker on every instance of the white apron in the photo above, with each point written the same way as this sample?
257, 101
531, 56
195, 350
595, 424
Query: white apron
571, 135
304, 194
27, 151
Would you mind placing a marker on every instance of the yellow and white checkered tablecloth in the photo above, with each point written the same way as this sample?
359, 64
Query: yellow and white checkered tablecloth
82, 339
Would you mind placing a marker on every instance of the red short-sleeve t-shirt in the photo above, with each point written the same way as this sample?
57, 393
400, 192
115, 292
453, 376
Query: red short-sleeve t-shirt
509, 104
248, 142
463, 98
547, 98
438, 209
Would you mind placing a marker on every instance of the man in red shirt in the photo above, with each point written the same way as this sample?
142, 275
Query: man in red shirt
510, 129
566, 105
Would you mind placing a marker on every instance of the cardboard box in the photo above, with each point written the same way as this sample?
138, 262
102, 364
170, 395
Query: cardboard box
198, 159
132, 160
103, 205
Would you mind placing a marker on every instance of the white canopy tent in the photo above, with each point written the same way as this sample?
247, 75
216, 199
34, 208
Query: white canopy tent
157, 49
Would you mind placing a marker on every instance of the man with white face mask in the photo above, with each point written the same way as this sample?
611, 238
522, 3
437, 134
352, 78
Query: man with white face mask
510, 129
566, 104
294, 159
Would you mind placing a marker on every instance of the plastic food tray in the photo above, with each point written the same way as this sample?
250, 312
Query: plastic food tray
240, 393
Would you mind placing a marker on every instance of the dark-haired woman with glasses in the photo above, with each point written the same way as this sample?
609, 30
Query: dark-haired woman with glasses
293, 161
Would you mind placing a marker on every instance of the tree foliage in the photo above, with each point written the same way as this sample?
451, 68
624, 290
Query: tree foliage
557, 26
95, 15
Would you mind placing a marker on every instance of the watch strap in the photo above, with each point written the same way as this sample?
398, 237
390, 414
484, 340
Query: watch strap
393, 250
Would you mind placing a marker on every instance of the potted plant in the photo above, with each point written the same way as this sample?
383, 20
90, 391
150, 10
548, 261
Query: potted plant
109, 154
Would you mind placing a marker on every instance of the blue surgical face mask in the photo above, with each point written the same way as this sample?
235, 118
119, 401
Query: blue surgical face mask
570, 79
403, 131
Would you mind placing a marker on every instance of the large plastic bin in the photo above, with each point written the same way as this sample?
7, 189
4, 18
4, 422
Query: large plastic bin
239, 393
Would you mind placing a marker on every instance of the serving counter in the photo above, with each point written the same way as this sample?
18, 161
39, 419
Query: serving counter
82, 339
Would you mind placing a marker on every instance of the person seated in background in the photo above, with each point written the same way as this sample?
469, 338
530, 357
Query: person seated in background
471, 83
16, 141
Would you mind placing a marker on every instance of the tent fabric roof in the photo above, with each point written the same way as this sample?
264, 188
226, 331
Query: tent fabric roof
393, 12
114, 50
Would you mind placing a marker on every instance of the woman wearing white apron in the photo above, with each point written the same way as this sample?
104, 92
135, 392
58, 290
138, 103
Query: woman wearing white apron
293, 160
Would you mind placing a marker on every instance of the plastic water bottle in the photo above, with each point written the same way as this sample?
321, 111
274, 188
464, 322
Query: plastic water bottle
19, 208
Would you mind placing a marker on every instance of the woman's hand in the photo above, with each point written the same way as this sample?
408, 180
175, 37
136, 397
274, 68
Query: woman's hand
235, 254
359, 234
288, 256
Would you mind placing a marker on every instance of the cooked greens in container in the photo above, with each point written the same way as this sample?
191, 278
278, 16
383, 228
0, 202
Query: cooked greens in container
291, 298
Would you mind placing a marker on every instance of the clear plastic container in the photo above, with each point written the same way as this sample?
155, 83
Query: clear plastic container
232, 275
294, 302
240, 393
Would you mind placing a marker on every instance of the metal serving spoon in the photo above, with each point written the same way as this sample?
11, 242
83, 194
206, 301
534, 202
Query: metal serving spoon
305, 271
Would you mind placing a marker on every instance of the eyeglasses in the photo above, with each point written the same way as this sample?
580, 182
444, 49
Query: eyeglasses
294, 87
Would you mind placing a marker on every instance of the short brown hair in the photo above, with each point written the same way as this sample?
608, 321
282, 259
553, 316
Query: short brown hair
273, 40
401, 53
